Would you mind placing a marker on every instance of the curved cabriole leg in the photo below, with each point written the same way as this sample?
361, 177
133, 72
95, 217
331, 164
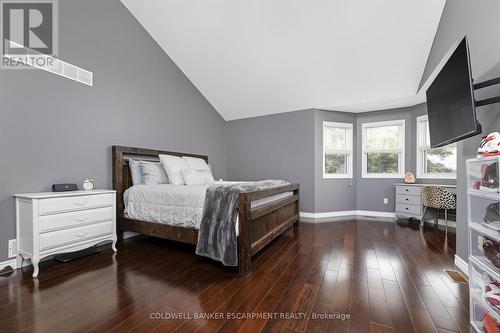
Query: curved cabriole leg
35, 261
113, 245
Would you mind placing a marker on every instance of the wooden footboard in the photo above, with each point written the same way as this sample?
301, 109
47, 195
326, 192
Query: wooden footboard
259, 226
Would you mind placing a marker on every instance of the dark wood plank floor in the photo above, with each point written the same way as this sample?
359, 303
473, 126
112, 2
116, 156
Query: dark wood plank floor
353, 276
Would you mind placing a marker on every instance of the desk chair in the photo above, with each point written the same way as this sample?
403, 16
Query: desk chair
438, 198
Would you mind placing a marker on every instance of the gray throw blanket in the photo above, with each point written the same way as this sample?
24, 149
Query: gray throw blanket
217, 235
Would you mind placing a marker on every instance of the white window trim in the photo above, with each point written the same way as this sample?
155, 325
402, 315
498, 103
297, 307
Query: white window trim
348, 152
400, 151
420, 157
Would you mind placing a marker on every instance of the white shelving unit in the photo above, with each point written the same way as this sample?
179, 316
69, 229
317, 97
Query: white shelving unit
483, 200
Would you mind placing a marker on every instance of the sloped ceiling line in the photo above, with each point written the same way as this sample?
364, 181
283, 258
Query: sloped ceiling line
251, 58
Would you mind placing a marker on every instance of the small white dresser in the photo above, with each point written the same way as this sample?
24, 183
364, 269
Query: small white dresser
50, 223
408, 204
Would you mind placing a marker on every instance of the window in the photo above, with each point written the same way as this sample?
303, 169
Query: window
383, 149
434, 163
337, 150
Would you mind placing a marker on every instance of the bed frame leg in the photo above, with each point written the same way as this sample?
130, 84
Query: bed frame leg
244, 264
297, 212
245, 236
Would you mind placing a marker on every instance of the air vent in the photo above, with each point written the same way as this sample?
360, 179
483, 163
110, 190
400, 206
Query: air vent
457, 277
68, 71
54, 65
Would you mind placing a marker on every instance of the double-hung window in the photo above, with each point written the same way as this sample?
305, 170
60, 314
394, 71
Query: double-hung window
337, 150
437, 163
383, 149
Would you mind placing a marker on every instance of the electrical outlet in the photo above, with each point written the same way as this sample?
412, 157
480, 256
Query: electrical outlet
12, 248
386, 201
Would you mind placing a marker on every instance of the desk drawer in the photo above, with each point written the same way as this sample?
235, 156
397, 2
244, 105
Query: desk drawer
70, 236
68, 204
410, 190
408, 209
75, 219
408, 199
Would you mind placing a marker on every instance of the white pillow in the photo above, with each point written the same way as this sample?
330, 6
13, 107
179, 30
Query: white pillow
153, 173
135, 171
196, 163
173, 166
197, 177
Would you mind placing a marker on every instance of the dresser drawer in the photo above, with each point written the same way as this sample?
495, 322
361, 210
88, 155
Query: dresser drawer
67, 204
408, 199
75, 235
410, 190
408, 209
75, 219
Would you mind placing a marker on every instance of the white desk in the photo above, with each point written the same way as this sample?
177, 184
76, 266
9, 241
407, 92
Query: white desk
408, 204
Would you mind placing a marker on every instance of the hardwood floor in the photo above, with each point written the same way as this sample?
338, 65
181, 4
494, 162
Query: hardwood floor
353, 276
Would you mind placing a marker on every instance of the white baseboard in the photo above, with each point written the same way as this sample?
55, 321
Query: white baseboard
327, 214
369, 213
343, 215
129, 234
451, 224
462, 265
349, 214
13, 263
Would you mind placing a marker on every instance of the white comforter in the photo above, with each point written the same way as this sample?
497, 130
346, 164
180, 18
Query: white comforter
178, 205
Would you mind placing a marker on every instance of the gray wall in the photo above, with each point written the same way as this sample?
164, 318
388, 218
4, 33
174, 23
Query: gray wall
479, 21
372, 191
332, 194
290, 146
278, 146
55, 130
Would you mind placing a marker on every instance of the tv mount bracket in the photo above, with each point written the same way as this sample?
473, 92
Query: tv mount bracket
485, 84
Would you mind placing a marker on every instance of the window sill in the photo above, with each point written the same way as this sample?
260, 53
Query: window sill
437, 176
337, 176
382, 175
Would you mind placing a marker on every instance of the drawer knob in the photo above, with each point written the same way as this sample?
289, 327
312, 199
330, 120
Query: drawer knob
406, 208
81, 235
406, 199
81, 219
406, 190
82, 203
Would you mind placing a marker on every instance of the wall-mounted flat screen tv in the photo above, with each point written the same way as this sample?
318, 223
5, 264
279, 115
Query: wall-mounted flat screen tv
450, 101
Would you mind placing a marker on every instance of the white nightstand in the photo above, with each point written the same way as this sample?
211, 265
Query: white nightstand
57, 222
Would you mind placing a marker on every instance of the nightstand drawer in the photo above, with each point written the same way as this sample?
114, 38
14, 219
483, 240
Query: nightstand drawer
410, 190
75, 219
408, 209
70, 236
408, 199
68, 204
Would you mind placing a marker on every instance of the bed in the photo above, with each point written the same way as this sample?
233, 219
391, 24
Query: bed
262, 215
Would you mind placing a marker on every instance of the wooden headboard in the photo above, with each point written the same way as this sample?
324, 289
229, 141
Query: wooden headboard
122, 179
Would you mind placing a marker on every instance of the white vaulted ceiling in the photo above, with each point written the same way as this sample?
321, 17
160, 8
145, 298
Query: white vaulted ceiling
256, 57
